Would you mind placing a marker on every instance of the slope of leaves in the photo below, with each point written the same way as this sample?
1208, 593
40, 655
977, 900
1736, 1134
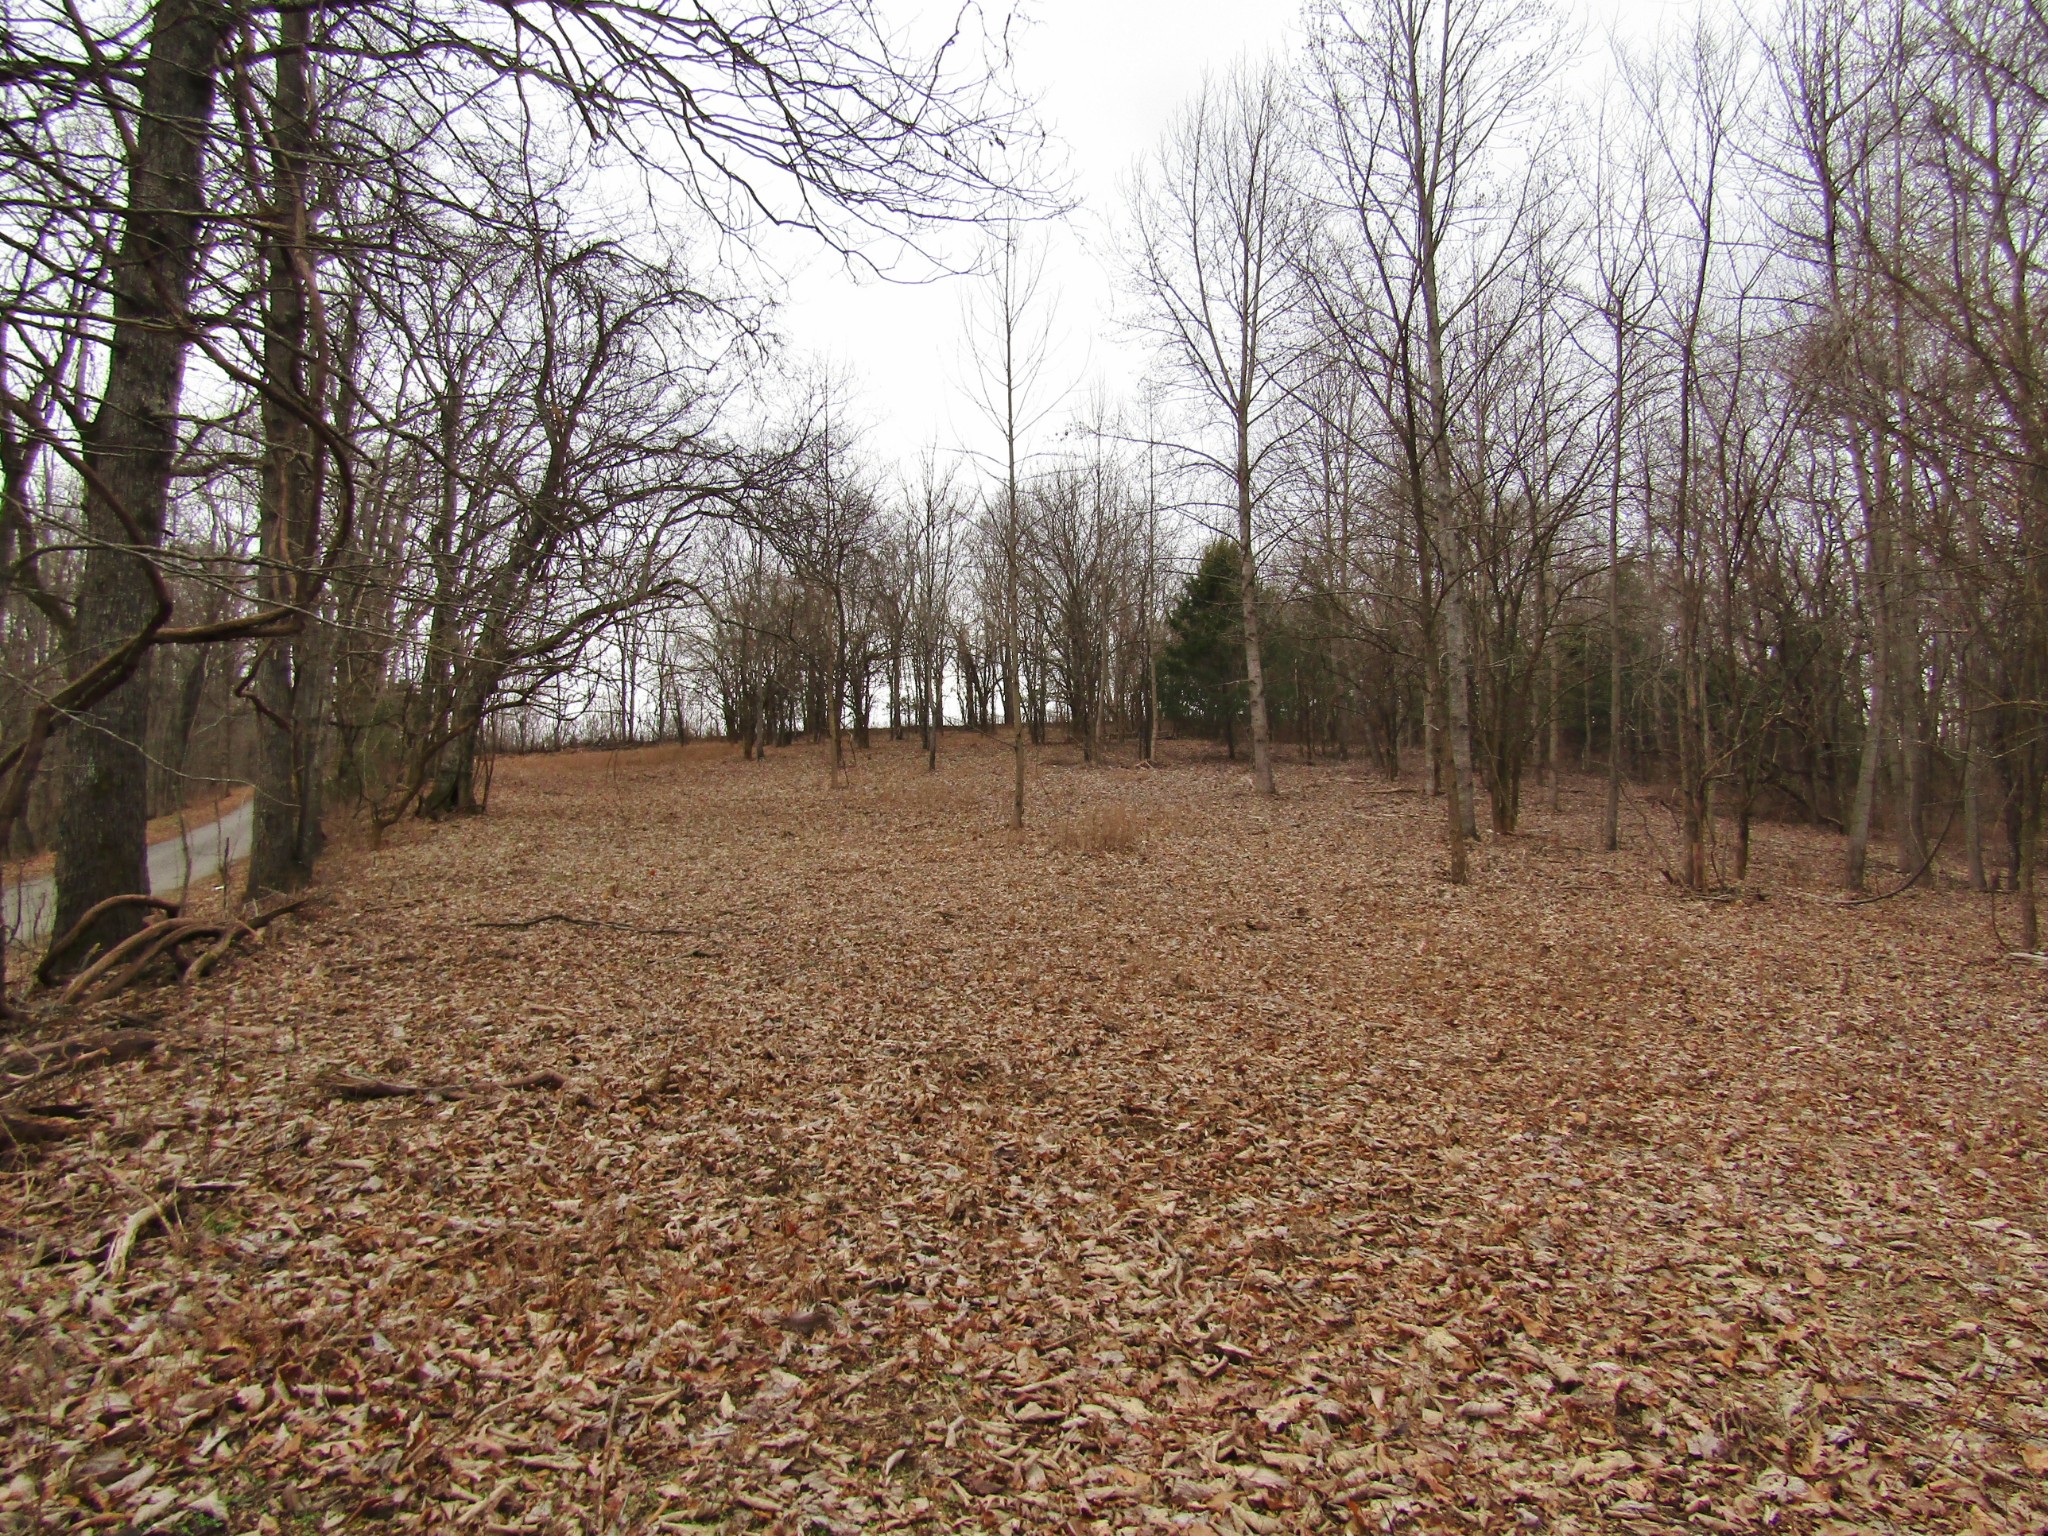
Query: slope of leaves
909, 1174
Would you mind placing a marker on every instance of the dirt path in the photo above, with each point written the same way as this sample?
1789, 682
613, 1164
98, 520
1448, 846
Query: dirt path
909, 1175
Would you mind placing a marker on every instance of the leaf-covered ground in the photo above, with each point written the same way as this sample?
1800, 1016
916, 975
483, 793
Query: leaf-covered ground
909, 1174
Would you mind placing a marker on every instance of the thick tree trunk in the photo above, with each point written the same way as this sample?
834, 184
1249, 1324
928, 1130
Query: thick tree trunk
454, 789
1876, 579
1909, 710
1151, 695
2029, 857
1014, 705
1444, 547
280, 851
1446, 768
101, 839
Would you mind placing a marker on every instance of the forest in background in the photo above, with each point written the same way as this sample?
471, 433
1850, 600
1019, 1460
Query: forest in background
389, 385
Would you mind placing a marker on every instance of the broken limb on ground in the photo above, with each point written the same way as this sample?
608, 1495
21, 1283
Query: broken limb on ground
1246, 1178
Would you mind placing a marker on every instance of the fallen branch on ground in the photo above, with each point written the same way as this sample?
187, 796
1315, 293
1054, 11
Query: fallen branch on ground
18, 1131
39, 1063
268, 915
583, 922
359, 1088
158, 1213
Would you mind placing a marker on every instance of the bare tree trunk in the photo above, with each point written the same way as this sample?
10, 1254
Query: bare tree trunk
838, 699
2029, 851
279, 858
1909, 711
101, 840
1151, 696
1610, 838
1150, 599
1973, 805
1858, 852
1247, 589
1553, 736
1438, 677
1015, 705
1458, 711
1440, 529
1446, 769
1556, 730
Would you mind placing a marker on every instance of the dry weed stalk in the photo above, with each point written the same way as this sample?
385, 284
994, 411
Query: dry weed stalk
1104, 829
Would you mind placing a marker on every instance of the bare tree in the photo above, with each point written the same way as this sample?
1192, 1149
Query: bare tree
1414, 97
1692, 100
125, 464
1621, 232
1217, 223
1009, 329
930, 536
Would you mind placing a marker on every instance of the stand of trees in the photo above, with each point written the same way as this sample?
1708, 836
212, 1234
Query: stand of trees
362, 365
1701, 438
354, 424
1695, 438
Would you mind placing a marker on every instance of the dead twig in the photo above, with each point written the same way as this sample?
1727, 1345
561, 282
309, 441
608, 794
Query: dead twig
582, 922
158, 1213
39, 1063
268, 915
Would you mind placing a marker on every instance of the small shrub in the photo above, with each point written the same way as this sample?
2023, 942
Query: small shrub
1103, 829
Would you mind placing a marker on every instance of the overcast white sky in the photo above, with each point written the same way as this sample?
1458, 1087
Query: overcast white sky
1109, 75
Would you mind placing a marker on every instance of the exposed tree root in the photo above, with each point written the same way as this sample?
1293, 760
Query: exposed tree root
124, 964
120, 966
35, 1125
38, 1063
46, 971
